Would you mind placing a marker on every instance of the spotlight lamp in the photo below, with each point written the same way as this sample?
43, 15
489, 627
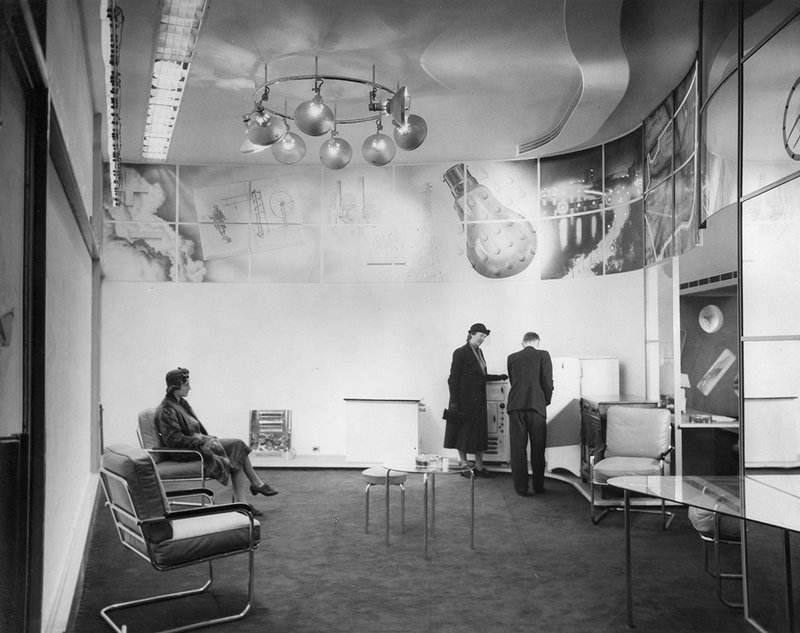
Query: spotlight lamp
265, 127
262, 128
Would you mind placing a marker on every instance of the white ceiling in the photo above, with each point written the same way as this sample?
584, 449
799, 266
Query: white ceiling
486, 75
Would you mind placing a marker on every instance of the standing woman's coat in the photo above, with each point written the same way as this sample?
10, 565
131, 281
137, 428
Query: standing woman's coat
467, 383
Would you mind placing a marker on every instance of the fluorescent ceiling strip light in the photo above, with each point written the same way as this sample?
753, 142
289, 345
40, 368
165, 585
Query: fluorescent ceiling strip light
177, 36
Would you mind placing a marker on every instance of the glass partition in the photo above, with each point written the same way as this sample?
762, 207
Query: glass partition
771, 135
718, 149
771, 327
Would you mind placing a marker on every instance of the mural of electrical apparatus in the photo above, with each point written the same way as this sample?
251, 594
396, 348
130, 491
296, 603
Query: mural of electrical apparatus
500, 242
499, 448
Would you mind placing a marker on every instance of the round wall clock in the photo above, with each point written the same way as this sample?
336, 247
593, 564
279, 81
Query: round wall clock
710, 319
791, 122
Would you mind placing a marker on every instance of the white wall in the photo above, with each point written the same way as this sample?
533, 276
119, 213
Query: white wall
306, 347
70, 486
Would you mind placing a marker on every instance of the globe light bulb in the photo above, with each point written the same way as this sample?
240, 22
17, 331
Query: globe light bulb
314, 117
290, 149
500, 241
411, 135
378, 149
263, 129
335, 153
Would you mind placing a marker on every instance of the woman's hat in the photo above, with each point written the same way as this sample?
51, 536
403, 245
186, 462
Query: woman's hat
479, 327
176, 377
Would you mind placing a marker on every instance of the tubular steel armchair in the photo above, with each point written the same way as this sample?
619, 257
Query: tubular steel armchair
637, 443
170, 470
171, 539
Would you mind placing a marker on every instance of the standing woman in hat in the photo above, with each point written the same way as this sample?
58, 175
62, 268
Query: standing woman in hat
224, 459
467, 427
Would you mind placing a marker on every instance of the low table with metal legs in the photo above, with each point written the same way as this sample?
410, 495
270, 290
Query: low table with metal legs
429, 473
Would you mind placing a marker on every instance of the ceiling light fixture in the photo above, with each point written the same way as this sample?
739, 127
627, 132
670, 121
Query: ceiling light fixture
265, 127
173, 50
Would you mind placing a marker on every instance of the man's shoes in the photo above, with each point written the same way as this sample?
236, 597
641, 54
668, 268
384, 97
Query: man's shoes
539, 491
466, 474
265, 490
256, 512
524, 494
485, 474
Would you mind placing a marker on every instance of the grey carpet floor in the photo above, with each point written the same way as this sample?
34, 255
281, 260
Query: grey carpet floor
539, 564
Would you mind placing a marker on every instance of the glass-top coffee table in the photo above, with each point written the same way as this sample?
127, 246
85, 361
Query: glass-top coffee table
429, 474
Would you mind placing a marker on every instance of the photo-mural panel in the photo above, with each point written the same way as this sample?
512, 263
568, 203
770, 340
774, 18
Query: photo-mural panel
658, 223
687, 226
623, 180
499, 207
685, 119
230, 268
422, 196
360, 253
140, 233
572, 246
360, 194
624, 228
285, 253
245, 193
658, 145
433, 252
147, 193
571, 183
140, 251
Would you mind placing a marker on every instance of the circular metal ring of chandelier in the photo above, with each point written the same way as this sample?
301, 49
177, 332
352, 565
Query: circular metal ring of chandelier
267, 127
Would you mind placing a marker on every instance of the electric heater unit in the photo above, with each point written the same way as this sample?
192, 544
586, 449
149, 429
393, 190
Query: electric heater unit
271, 431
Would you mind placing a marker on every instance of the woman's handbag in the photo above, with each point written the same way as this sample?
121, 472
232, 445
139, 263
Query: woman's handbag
452, 417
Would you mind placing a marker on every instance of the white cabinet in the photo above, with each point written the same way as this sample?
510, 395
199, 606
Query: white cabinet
379, 430
573, 378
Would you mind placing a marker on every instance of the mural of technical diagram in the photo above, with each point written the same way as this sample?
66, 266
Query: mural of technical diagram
360, 253
224, 215
358, 195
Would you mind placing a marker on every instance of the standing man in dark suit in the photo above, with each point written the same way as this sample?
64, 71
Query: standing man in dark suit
530, 372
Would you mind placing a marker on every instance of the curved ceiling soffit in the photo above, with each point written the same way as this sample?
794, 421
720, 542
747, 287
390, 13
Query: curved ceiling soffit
595, 37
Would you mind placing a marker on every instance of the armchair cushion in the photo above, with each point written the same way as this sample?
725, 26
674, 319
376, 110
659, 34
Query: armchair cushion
637, 432
199, 537
610, 467
137, 468
149, 435
703, 521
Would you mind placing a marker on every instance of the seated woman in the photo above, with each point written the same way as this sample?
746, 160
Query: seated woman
223, 459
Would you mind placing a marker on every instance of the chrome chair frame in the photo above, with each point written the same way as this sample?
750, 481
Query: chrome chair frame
124, 528
666, 517
156, 450
719, 576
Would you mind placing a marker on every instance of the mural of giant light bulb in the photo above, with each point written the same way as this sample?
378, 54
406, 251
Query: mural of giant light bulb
500, 241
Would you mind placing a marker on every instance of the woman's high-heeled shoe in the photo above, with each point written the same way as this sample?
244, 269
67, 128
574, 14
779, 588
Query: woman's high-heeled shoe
265, 490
